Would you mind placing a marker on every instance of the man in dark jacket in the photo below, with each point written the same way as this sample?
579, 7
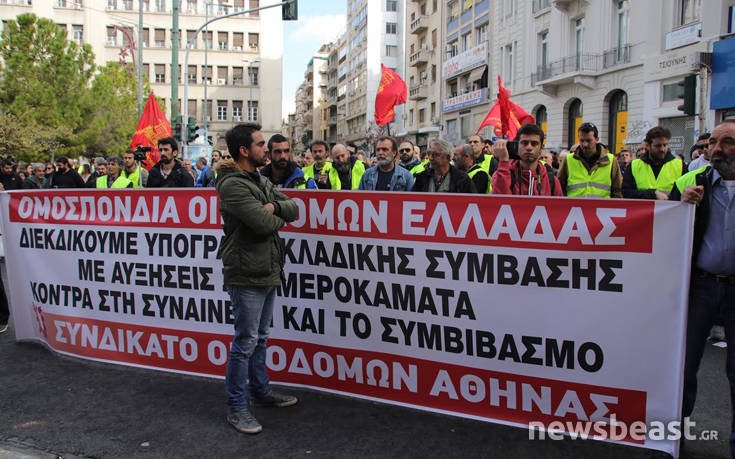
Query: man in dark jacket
441, 176
169, 172
652, 176
65, 176
712, 288
252, 254
281, 171
8, 177
36, 179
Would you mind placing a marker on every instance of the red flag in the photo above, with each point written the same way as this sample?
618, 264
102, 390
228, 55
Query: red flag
152, 126
391, 92
505, 115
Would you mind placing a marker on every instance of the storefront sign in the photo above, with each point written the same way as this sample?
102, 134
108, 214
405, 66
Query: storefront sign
465, 61
468, 99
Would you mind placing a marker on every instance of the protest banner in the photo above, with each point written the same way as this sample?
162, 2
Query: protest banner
506, 309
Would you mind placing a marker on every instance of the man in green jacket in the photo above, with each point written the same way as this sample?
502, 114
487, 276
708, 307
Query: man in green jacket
253, 256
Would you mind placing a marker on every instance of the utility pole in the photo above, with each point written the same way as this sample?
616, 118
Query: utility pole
175, 61
139, 69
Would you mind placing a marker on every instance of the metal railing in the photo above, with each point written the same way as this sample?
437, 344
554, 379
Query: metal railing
539, 5
616, 56
582, 63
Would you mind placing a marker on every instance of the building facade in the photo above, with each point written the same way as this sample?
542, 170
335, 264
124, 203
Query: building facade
243, 71
465, 69
423, 64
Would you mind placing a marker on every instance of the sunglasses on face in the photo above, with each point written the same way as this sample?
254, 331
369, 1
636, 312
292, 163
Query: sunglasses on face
405, 150
227, 157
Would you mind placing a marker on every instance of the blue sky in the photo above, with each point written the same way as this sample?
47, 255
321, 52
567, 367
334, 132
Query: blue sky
319, 22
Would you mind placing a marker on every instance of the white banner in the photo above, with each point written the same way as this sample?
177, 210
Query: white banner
560, 313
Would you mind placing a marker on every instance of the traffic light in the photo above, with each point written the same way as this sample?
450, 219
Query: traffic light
177, 128
689, 94
191, 129
290, 10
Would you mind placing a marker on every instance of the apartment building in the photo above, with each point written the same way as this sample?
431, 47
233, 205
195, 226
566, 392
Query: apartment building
423, 64
241, 80
465, 69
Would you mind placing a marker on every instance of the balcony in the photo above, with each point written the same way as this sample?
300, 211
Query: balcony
580, 68
418, 92
616, 56
332, 119
567, 70
420, 24
540, 5
421, 57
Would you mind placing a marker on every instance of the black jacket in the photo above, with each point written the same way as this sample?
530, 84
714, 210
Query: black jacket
11, 181
68, 179
701, 214
459, 182
30, 184
178, 178
630, 187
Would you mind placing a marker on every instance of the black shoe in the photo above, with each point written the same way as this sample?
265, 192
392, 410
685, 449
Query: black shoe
275, 399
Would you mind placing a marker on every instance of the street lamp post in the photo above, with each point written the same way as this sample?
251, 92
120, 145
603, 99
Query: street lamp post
250, 77
207, 44
192, 40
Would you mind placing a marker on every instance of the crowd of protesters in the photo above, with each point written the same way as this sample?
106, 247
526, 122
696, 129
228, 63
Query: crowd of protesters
518, 167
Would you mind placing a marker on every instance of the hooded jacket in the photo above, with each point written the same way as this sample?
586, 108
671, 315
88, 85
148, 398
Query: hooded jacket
295, 177
252, 252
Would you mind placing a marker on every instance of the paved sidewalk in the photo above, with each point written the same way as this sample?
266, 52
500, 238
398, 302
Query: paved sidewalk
52, 406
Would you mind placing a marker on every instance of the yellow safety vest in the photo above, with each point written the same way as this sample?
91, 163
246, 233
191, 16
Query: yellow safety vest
689, 179
583, 184
474, 172
645, 180
120, 182
420, 167
133, 177
357, 170
485, 165
309, 170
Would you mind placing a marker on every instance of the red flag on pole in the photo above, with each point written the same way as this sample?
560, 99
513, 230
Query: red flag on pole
391, 92
505, 115
152, 126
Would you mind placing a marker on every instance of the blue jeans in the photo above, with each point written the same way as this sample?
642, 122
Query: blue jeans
707, 298
246, 373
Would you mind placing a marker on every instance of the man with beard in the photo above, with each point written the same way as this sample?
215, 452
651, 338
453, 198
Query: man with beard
64, 176
36, 179
9, 178
387, 175
408, 159
100, 169
319, 169
652, 176
346, 170
133, 172
283, 172
168, 172
464, 160
712, 288
590, 170
527, 176
253, 211
441, 176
